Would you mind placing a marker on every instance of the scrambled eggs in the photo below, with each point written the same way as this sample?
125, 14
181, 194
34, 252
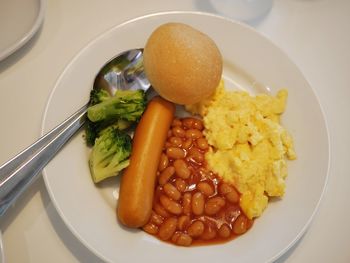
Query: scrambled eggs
250, 146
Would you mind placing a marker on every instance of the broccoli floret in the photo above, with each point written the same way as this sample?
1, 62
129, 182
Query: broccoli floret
98, 96
92, 129
125, 104
110, 154
95, 129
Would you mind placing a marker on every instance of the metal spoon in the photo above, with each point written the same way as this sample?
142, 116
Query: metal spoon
125, 71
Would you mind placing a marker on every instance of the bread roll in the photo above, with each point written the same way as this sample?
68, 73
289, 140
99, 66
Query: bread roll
182, 64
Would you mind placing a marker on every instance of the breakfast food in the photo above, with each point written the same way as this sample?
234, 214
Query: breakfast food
200, 179
137, 184
250, 147
192, 205
182, 64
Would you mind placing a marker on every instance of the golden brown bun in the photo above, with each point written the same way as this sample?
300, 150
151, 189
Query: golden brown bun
182, 64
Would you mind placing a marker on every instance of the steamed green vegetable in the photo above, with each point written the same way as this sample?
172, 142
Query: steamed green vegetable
105, 130
119, 111
92, 129
110, 154
127, 105
98, 96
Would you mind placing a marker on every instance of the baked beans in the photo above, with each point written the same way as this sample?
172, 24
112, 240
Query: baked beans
166, 174
163, 163
192, 205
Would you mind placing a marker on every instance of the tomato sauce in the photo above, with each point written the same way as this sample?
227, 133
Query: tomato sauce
192, 205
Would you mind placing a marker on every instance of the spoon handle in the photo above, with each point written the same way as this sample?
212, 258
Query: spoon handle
20, 171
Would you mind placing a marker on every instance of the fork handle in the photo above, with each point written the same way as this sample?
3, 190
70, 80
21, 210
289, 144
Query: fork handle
22, 170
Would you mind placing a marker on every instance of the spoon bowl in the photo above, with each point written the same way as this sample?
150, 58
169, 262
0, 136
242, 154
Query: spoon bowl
123, 72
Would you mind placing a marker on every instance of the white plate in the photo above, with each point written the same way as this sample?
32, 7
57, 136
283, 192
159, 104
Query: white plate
19, 21
2, 256
89, 211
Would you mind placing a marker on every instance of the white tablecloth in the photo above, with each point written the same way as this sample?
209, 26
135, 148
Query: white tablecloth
314, 33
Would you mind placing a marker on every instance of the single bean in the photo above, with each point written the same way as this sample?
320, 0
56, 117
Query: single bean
170, 133
193, 134
188, 122
224, 231
210, 231
176, 122
175, 236
170, 205
178, 132
202, 143
163, 163
171, 191
166, 174
186, 203
175, 141
160, 210
150, 228
205, 188
187, 144
182, 239
195, 155
180, 185
197, 203
198, 124
213, 205
232, 197
181, 169
225, 188
168, 228
240, 226
196, 229
156, 219
183, 222
175, 153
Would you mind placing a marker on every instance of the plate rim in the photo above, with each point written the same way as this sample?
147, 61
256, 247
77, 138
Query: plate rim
230, 20
28, 35
2, 253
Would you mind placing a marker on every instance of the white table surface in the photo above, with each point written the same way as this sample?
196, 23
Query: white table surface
314, 33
